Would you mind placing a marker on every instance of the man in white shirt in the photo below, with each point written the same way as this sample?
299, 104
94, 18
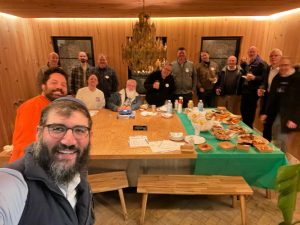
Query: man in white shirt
264, 90
91, 95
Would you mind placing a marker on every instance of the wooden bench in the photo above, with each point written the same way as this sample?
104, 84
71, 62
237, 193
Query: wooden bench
110, 181
194, 185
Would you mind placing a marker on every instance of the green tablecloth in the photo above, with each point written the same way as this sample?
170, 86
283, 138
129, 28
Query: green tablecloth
258, 169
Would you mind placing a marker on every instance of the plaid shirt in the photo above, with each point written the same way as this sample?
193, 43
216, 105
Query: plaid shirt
77, 79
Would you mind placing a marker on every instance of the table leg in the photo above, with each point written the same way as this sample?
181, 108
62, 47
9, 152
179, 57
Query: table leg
122, 199
144, 205
234, 200
243, 209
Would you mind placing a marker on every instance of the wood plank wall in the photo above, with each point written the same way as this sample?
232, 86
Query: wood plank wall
25, 44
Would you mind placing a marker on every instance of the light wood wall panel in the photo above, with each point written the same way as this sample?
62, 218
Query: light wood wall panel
25, 44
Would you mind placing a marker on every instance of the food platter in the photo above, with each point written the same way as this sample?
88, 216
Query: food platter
263, 147
194, 139
176, 136
238, 129
251, 139
226, 145
205, 147
222, 134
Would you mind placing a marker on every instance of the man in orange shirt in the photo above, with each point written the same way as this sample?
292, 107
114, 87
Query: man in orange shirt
54, 85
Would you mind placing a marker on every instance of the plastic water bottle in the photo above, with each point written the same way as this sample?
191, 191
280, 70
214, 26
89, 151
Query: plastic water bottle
176, 105
200, 106
180, 102
169, 107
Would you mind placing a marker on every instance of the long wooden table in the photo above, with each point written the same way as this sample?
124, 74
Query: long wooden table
110, 136
110, 150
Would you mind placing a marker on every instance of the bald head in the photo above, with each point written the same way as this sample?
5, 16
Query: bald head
82, 57
231, 62
53, 59
252, 53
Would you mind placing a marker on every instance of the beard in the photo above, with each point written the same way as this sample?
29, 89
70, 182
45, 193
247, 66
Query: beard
60, 170
51, 96
131, 94
83, 60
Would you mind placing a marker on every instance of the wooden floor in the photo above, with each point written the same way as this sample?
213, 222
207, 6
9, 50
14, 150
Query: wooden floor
188, 210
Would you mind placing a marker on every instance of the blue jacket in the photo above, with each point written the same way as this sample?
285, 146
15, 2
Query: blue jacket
114, 102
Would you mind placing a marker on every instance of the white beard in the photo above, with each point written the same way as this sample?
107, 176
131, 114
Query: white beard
131, 94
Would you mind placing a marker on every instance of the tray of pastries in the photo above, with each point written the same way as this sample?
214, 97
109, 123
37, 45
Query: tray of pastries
226, 145
251, 139
232, 119
187, 148
218, 115
238, 129
222, 134
205, 147
243, 147
261, 147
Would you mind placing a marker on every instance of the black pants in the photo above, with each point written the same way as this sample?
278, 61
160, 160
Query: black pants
208, 97
248, 107
186, 98
268, 124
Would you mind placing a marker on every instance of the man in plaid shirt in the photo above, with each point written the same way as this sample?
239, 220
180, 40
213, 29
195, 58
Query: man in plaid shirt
80, 73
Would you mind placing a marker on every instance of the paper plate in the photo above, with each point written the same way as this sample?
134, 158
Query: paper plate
176, 136
196, 139
166, 115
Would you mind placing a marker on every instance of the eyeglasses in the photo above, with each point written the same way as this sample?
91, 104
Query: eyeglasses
58, 131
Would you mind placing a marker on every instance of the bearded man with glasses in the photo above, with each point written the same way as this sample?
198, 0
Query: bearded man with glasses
48, 185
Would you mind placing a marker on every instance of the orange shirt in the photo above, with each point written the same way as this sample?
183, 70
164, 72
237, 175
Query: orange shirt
27, 120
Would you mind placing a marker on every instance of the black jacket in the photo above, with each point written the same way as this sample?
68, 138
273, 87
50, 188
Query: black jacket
45, 202
165, 91
284, 99
238, 82
258, 68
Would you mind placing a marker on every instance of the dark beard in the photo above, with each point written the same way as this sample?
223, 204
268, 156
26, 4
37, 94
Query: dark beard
49, 95
58, 171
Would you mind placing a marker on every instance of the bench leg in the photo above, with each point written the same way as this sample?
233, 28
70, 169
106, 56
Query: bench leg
243, 209
234, 200
268, 193
144, 205
122, 199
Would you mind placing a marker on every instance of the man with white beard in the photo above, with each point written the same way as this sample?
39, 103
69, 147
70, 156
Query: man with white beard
48, 185
126, 98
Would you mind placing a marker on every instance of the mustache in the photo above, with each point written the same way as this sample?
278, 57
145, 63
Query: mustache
58, 89
60, 147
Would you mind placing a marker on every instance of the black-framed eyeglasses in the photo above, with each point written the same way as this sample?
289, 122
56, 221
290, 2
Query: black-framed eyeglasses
58, 131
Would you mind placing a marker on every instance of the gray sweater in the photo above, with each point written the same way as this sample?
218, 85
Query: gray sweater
185, 77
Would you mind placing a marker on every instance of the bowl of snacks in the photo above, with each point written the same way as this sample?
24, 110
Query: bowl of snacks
176, 136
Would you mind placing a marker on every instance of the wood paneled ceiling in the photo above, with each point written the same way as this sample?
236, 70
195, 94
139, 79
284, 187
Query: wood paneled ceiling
131, 8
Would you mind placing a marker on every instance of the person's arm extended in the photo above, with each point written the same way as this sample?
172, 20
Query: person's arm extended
13, 195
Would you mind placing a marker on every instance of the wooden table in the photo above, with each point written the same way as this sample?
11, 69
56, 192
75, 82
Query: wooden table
110, 136
110, 150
